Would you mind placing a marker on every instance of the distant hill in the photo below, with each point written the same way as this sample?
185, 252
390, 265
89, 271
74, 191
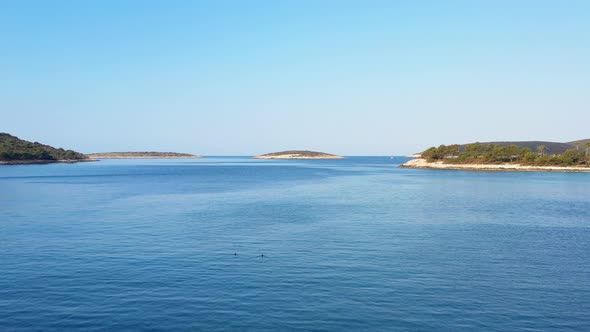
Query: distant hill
14, 150
579, 142
141, 155
298, 154
552, 147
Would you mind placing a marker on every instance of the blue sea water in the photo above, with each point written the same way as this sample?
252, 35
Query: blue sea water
349, 245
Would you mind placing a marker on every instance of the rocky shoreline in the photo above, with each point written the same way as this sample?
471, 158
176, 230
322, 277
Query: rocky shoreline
424, 164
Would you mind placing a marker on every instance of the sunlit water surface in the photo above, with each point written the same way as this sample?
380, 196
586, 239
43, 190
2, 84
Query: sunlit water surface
349, 245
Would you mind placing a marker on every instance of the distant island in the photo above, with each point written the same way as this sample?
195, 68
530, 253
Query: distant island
14, 150
513, 156
141, 155
298, 154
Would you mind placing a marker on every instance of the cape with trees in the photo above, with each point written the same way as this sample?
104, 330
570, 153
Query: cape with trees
477, 153
16, 150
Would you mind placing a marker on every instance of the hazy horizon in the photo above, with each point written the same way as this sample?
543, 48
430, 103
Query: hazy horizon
259, 153
246, 78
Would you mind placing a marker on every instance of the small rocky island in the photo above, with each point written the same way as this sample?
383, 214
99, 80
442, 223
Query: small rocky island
142, 155
14, 151
298, 154
507, 156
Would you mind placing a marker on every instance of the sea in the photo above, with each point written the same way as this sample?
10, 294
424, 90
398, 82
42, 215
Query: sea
236, 244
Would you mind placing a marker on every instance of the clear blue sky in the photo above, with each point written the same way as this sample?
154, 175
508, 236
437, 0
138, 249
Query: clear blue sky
249, 77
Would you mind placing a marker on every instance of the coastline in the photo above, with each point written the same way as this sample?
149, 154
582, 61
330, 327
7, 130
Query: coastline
415, 155
42, 162
142, 155
145, 157
423, 164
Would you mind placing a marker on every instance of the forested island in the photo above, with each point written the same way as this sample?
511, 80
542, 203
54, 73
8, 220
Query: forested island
141, 155
14, 150
574, 156
298, 154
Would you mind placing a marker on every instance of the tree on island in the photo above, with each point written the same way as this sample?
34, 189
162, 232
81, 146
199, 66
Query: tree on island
541, 150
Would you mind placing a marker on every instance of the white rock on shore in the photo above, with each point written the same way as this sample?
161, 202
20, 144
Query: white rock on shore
423, 163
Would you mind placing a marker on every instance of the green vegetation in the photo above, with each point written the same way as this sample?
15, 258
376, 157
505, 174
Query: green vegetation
14, 149
550, 147
477, 153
